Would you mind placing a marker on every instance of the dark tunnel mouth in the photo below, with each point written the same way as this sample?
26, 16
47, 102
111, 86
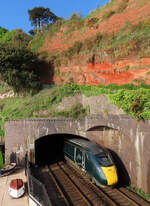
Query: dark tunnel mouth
49, 150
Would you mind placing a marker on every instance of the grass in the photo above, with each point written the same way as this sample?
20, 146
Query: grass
98, 10
108, 14
134, 100
4, 88
130, 39
1, 160
37, 41
76, 111
140, 192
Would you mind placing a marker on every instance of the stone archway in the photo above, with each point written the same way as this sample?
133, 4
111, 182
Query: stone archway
49, 149
127, 137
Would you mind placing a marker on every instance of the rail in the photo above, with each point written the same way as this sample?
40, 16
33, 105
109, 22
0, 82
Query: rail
35, 188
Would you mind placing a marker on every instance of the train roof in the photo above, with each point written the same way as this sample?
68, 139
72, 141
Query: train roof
87, 145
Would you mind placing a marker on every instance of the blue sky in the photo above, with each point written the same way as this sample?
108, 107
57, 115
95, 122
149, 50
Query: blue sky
14, 13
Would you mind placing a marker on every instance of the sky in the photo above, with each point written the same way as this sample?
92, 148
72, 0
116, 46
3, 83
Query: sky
14, 13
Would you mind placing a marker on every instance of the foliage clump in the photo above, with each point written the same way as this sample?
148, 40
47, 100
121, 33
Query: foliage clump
40, 16
140, 192
108, 14
91, 22
19, 68
3, 31
122, 6
76, 111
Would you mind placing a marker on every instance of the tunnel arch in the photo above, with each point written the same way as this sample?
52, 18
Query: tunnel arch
21, 134
49, 149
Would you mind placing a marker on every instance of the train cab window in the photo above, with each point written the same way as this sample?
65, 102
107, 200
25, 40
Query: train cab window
104, 159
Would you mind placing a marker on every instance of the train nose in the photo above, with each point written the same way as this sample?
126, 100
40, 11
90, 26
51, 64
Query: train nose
110, 174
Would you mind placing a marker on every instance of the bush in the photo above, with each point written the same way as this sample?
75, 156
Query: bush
133, 102
37, 41
74, 22
97, 39
2, 32
75, 49
122, 6
20, 38
90, 22
19, 68
108, 14
141, 25
76, 111
7, 37
88, 44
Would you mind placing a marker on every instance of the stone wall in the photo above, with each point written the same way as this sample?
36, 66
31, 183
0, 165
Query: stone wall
128, 139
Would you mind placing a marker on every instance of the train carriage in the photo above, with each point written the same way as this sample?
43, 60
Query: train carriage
94, 160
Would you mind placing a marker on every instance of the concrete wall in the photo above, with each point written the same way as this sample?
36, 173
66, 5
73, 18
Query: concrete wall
128, 139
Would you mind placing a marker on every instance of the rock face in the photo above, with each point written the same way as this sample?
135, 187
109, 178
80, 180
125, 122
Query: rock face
7, 94
120, 72
104, 69
134, 12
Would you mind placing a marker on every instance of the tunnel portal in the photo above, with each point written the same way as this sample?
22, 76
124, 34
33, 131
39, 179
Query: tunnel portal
127, 137
49, 149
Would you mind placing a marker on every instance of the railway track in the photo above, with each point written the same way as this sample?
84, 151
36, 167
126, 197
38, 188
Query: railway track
74, 189
124, 197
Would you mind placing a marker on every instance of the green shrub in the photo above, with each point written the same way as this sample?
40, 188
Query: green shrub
97, 39
73, 50
138, 81
88, 44
8, 36
122, 6
2, 32
133, 102
141, 25
108, 14
92, 21
140, 192
37, 41
93, 42
74, 22
76, 111
18, 68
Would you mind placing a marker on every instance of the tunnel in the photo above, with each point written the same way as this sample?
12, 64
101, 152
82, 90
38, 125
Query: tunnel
49, 149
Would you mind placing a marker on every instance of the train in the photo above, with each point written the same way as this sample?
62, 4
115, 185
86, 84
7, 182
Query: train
95, 161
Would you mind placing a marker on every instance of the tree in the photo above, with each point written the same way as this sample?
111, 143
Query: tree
2, 32
32, 32
40, 16
20, 38
19, 68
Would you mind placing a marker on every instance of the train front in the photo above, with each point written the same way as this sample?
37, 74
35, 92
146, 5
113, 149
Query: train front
106, 169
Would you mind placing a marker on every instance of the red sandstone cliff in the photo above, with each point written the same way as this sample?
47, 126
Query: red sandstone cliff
132, 67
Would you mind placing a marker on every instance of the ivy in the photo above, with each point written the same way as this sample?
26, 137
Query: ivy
133, 102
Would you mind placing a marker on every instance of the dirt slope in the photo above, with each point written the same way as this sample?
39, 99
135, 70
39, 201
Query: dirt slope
110, 19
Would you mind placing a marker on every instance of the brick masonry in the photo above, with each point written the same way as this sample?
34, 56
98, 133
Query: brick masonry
128, 140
